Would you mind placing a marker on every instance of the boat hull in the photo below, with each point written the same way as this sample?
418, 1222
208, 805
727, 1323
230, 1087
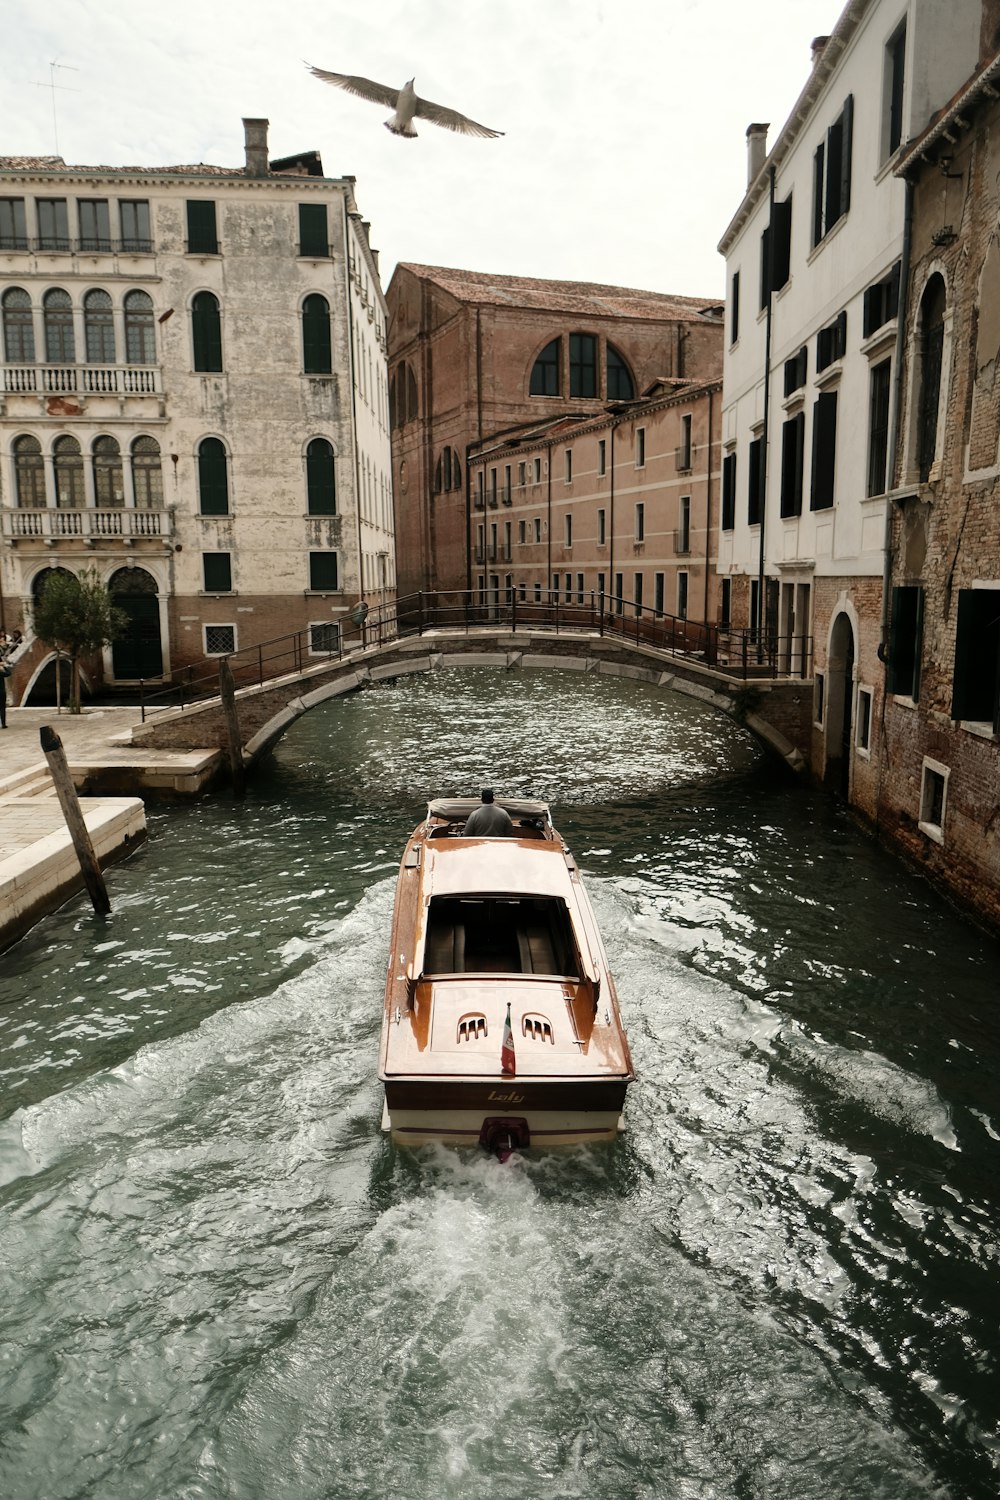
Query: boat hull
419, 1112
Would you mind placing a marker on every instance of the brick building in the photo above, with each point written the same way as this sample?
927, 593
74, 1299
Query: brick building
193, 401
936, 753
474, 356
617, 512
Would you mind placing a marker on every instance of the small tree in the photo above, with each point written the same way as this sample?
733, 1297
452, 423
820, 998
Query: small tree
75, 614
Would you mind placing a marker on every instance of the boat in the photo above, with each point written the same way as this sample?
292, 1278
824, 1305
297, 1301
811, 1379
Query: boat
501, 1023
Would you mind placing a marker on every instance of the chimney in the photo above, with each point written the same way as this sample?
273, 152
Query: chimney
756, 149
818, 46
255, 136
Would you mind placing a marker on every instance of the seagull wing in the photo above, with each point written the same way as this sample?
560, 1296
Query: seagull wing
365, 88
452, 120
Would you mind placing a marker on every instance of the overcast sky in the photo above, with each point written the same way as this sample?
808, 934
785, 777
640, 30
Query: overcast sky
624, 154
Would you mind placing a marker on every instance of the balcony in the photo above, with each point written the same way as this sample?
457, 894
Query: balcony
56, 244
82, 380
90, 526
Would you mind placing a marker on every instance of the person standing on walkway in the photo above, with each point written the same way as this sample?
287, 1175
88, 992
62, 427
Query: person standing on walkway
5, 671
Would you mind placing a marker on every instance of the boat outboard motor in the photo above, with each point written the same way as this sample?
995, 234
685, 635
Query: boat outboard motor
502, 1136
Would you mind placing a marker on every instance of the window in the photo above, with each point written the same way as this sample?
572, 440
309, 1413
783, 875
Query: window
538, 528
555, 588
220, 640
213, 478
206, 332
13, 224
480, 490
569, 531
579, 588
863, 735
537, 471
324, 638
582, 364
932, 306
621, 387
29, 473
601, 527
313, 238
824, 450
95, 224
684, 530
729, 492
658, 594
202, 237
602, 457
619, 603
134, 217
321, 488
538, 593
506, 541
522, 532
57, 315
976, 683
776, 250
18, 329
905, 641
600, 589
109, 479
754, 478
892, 95
881, 303
569, 465
67, 461
831, 342
569, 588
793, 434
796, 370
53, 224
819, 698
140, 336
734, 308
933, 797
217, 572
507, 497
640, 448
726, 603
832, 174
522, 470
323, 572
684, 448
147, 476
637, 593
878, 426
99, 328
682, 595
640, 521
545, 373
317, 353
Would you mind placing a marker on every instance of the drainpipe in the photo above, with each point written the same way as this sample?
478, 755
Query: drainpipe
897, 404
767, 401
548, 517
708, 499
354, 423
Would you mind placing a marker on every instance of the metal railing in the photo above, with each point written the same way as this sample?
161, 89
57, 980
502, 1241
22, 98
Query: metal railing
733, 652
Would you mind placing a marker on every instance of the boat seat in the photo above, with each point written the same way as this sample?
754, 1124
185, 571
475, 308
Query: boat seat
445, 952
534, 942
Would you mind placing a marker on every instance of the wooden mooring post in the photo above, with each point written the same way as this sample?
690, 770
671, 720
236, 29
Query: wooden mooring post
227, 692
55, 755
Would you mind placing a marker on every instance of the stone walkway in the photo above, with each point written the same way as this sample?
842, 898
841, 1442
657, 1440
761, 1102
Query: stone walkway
85, 734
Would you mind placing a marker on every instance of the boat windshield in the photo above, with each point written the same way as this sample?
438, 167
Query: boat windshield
494, 934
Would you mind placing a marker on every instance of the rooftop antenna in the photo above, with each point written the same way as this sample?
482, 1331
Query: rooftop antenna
52, 85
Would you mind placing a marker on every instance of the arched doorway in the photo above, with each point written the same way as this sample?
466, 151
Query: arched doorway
840, 700
139, 652
52, 684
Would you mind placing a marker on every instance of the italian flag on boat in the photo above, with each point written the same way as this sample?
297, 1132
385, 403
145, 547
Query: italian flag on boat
507, 1048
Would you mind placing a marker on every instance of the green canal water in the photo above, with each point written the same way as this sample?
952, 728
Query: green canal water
219, 1282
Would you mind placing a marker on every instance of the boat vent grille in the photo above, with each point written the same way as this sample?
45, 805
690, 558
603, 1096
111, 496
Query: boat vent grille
538, 1029
471, 1027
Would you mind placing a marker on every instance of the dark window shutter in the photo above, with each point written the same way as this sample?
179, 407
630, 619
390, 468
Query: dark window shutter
202, 236
729, 492
317, 350
545, 372
905, 641
792, 442
320, 478
765, 252
735, 327
323, 572
218, 572
878, 427
819, 173
312, 230
213, 484
977, 656
781, 230
206, 329
847, 134
754, 482
824, 450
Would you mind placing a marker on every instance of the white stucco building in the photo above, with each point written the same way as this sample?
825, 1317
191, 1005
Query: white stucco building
813, 258
193, 400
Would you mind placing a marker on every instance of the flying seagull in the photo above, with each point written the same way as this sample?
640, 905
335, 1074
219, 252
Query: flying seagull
406, 104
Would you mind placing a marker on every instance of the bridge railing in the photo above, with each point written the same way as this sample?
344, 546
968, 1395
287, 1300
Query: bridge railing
739, 653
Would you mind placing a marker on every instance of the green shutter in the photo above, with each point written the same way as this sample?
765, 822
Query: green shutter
218, 572
202, 236
317, 349
323, 572
321, 490
312, 230
977, 656
206, 331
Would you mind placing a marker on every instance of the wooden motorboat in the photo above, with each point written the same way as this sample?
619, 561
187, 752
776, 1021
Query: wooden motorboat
496, 959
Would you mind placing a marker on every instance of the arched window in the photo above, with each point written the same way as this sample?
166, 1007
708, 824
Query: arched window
140, 338
18, 327
99, 328
456, 471
932, 307
109, 481
57, 315
412, 402
68, 465
213, 478
317, 354
621, 386
392, 401
206, 332
545, 372
582, 364
147, 477
446, 469
321, 489
40, 580
29, 473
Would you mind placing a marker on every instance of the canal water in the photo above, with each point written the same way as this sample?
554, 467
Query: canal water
219, 1282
